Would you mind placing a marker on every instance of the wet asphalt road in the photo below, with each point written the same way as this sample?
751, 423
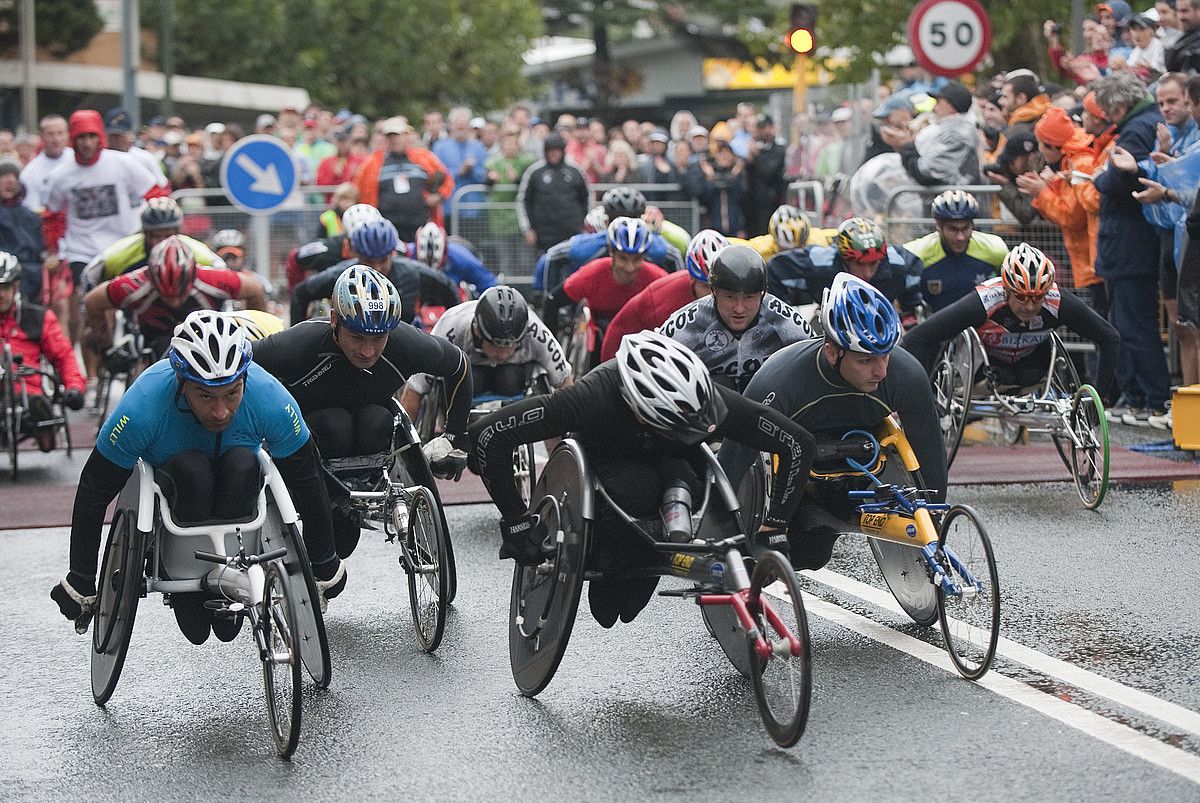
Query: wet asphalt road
651, 709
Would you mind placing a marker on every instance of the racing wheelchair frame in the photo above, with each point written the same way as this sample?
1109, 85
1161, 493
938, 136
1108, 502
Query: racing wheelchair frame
257, 569
1070, 412
14, 405
756, 616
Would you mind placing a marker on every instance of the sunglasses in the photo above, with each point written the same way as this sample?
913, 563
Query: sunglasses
1027, 298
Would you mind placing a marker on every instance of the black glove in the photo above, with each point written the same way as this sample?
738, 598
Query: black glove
446, 460
73, 399
523, 540
769, 538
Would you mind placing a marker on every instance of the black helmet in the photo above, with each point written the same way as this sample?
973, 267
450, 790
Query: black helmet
624, 202
502, 316
738, 269
554, 142
161, 213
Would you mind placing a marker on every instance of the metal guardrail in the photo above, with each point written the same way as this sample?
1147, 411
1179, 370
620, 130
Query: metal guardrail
799, 193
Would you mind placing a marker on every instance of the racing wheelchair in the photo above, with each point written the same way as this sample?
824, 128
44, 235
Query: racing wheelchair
14, 405
122, 362
396, 487
936, 559
255, 569
582, 339
757, 616
966, 388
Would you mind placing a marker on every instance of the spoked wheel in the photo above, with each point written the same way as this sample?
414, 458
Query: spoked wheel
425, 551
11, 412
279, 650
783, 679
118, 591
970, 615
952, 381
1089, 460
525, 471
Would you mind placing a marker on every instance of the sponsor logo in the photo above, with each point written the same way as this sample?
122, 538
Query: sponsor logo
718, 571
911, 531
682, 562
935, 286
873, 521
117, 429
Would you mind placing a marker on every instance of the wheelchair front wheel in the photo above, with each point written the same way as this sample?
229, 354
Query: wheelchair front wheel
279, 651
970, 616
783, 679
952, 384
425, 559
1089, 460
117, 595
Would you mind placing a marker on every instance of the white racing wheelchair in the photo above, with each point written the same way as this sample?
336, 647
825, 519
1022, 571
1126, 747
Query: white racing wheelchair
966, 388
257, 568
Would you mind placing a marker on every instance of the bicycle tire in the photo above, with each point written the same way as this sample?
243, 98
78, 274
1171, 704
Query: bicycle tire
970, 622
783, 680
281, 676
428, 581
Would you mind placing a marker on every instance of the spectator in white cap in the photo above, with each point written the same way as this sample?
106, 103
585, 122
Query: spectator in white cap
265, 124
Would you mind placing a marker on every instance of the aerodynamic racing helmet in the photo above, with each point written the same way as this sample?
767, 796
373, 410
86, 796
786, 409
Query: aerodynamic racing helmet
357, 215
955, 205
430, 245
172, 267
1027, 271
161, 213
786, 213
228, 238
258, 324
623, 202
792, 233
365, 301
595, 220
668, 387
629, 235
861, 240
738, 269
857, 317
375, 239
701, 252
210, 348
502, 316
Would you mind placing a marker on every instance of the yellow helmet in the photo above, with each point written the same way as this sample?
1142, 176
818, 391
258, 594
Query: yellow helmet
258, 324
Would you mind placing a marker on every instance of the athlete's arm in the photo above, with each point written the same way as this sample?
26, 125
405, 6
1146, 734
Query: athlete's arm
413, 351
99, 483
317, 286
925, 340
252, 292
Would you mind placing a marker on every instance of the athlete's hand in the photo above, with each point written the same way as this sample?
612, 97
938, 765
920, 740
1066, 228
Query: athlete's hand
523, 540
445, 461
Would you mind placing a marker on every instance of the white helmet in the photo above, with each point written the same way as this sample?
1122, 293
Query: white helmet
668, 387
357, 215
595, 220
431, 245
210, 348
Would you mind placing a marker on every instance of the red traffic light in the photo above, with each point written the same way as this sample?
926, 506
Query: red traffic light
801, 40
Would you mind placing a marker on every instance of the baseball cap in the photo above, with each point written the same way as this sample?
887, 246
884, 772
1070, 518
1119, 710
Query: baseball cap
697, 131
764, 119
10, 166
157, 120
215, 128
395, 125
956, 95
893, 103
477, 122
658, 135
1021, 143
172, 138
264, 121
117, 121
841, 114
1141, 21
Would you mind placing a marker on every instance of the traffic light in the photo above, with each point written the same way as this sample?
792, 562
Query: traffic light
802, 35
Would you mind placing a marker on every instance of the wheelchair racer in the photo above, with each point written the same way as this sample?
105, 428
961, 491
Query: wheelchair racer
316, 256
640, 419
199, 418
652, 307
956, 258
374, 244
162, 294
33, 332
735, 329
458, 262
788, 228
800, 276
504, 342
567, 257
853, 378
344, 371
1015, 315
161, 218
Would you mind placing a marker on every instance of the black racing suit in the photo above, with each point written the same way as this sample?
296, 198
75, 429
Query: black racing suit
801, 275
1019, 353
417, 284
800, 383
635, 464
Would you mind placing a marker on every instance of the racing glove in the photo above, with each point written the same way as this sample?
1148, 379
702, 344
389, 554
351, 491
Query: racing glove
73, 399
769, 537
446, 460
524, 540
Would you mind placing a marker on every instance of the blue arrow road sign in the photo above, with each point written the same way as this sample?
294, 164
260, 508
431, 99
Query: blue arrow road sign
258, 174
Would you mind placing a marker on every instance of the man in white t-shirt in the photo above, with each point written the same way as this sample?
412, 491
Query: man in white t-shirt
100, 194
53, 129
118, 124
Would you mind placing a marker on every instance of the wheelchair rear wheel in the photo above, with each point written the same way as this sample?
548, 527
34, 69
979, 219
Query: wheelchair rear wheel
952, 383
121, 575
970, 620
279, 650
902, 566
783, 679
425, 562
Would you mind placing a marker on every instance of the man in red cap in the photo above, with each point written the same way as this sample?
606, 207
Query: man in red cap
100, 194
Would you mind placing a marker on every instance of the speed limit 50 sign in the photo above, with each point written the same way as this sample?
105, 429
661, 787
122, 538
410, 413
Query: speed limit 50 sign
949, 37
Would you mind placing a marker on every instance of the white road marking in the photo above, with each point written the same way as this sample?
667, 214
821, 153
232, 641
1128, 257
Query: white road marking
1120, 736
1170, 713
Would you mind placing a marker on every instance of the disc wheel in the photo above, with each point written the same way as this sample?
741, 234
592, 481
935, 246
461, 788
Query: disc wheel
426, 549
121, 574
952, 380
280, 654
970, 614
1089, 459
782, 680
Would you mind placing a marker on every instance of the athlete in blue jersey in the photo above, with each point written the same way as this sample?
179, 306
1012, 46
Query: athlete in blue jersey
956, 258
199, 418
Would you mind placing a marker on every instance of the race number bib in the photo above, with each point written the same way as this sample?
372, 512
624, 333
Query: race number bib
400, 184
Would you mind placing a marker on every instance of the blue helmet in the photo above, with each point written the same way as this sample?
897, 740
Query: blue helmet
629, 235
374, 239
955, 205
857, 317
365, 301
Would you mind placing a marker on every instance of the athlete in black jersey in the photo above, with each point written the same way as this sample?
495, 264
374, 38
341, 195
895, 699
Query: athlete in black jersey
852, 379
344, 372
640, 418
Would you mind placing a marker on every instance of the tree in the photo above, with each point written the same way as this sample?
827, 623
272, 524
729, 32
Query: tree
63, 26
377, 57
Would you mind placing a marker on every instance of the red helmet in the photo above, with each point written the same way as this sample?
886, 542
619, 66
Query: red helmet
172, 267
